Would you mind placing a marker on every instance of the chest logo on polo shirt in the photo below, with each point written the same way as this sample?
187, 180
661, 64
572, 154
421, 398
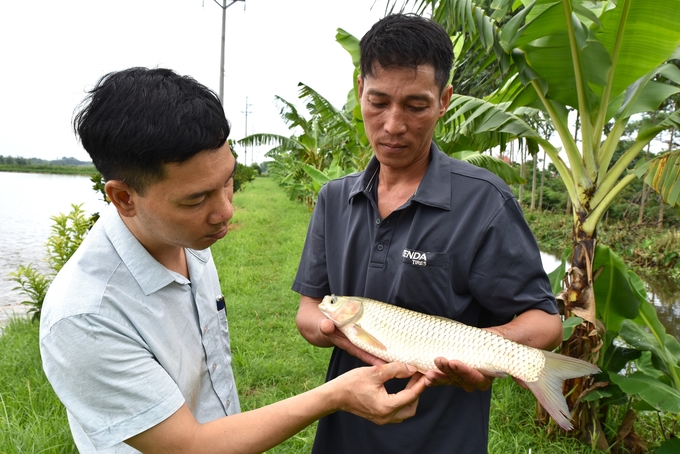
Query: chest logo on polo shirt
416, 257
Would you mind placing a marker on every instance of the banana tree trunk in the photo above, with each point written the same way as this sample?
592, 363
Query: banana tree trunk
540, 192
585, 342
533, 185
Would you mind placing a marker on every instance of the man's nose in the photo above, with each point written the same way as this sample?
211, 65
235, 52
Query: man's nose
395, 121
223, 209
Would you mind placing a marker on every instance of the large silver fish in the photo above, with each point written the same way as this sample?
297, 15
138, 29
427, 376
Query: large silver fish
393, 333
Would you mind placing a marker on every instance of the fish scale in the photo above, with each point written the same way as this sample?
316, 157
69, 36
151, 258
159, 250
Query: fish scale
394, 333
479, 349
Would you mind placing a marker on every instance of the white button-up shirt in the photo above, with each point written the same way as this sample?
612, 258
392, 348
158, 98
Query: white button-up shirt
125, 341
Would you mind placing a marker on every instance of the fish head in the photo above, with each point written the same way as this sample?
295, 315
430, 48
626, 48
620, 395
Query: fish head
342, 310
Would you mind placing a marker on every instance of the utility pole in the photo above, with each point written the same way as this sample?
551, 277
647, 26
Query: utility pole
224, 5
245, 148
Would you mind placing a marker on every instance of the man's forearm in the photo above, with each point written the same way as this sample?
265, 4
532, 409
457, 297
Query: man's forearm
534, 328
308, 319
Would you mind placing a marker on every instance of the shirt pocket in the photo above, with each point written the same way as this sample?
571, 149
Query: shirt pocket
424, 281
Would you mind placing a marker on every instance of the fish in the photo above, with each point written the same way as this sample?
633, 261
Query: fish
394, 333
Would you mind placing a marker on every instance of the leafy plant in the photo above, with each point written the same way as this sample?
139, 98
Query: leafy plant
68, 231
32, 283
243, 174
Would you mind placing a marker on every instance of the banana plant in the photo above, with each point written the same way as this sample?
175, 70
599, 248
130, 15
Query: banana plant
609, 60
639, 360
323, 134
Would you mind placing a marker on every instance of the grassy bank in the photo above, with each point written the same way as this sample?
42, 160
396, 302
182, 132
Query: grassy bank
46, 168
256, 262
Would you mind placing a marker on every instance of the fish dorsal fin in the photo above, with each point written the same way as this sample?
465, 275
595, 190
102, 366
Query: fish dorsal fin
365, 337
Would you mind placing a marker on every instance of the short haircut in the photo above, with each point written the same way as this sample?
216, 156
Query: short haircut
136, 120
407, 41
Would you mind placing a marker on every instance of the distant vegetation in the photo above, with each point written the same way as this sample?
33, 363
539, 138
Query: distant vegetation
36, 165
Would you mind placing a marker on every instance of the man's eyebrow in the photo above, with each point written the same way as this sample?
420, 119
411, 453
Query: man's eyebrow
413, 97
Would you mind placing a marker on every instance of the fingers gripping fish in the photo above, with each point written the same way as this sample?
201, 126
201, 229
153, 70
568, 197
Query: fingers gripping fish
393, 333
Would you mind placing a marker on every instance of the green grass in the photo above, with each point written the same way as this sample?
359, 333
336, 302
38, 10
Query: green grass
32, 420
256, 263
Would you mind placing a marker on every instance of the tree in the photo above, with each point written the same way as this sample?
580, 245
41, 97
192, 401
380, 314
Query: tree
601, 58
327, 140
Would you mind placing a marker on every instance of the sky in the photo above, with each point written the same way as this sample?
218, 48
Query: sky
52, 52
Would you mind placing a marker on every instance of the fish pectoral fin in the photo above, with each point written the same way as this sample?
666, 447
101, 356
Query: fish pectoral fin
493, 373
367, 338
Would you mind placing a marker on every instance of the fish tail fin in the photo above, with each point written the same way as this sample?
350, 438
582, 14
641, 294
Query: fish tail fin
548, 387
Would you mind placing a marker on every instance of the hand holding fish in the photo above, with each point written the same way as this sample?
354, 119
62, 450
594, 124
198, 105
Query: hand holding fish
362, 392
457, 373
338, 338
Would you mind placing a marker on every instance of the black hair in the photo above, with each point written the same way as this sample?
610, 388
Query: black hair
134, 121
407, 40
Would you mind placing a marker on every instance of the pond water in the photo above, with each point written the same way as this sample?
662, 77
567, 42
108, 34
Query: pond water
28, 201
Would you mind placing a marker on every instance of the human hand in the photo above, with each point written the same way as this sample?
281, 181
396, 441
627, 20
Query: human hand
362, 392
328, 328
459, 374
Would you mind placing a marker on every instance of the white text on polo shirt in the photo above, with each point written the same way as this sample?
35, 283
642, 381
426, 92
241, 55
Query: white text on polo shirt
417, 258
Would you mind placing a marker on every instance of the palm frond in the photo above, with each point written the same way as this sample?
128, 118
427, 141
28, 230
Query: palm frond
492, 164
290, 115
663, 174
482, 124
329, 116
270, 140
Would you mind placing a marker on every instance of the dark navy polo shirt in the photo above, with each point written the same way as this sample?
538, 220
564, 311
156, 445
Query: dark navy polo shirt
459, 248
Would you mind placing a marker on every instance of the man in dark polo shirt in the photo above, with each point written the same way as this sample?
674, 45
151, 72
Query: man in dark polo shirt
423, 231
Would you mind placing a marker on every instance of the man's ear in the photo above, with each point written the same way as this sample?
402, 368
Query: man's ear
445, 100
360, 86
122, 196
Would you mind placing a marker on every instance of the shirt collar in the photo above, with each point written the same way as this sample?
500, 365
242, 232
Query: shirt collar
434, 188
147, 271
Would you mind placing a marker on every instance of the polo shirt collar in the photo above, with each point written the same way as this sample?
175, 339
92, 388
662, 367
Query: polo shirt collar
434, 189
147, 271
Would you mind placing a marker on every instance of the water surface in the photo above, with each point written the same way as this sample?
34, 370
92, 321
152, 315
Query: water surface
27, 202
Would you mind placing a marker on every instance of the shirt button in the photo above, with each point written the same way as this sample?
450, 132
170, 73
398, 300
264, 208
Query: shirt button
377, 221
380, 247
205, 329
214, 366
